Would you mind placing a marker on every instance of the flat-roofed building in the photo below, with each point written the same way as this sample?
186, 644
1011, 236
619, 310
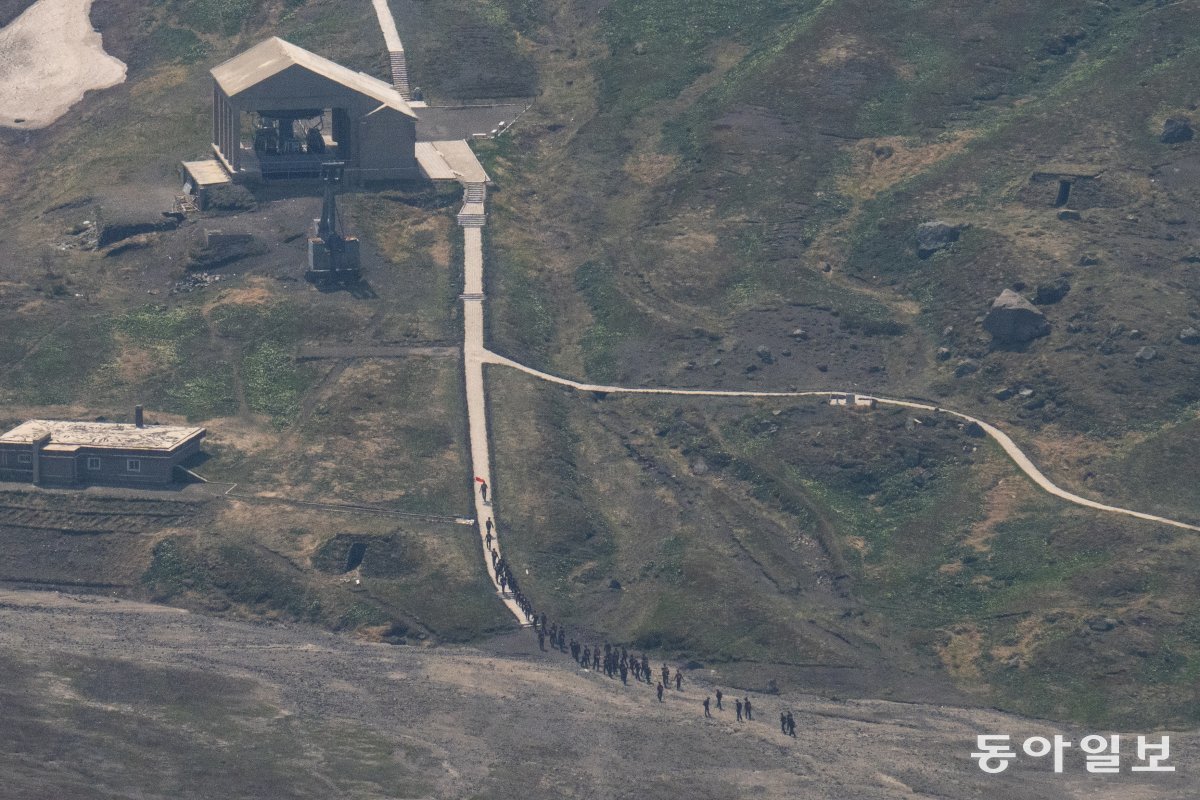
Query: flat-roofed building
68, 453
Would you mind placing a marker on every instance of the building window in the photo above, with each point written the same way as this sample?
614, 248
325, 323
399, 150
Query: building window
133, 465
24, 458
93, 462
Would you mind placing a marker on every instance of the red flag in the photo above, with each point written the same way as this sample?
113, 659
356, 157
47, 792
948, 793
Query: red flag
481, 480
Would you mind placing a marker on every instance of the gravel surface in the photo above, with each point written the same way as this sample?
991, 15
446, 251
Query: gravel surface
113, 698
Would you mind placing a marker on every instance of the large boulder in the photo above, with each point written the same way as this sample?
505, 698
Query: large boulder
934, 236
1012, 319
1176, 129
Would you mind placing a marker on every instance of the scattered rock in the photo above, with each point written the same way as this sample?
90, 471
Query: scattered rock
934, 236
1069, 215
1089, 260
1135, 334
615, 585
1003, 393
974, 430
716, 362
1175, 130
943, 354
1050, 293
699, 467
799, 334
764, 354
883, 152
1101, 624
1146, 354
1012, 319
965, 368
946, 331
193, 281
1026, 392
1189, 335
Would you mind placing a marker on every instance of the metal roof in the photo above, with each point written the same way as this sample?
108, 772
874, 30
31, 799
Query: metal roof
272, 56
102, 434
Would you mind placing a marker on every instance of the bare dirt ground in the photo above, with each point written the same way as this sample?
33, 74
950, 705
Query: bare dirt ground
108, 698
50, 56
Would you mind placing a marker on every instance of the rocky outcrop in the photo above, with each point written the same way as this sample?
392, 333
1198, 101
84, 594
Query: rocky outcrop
1175, 130
1013, 320
934, 236
1189, 335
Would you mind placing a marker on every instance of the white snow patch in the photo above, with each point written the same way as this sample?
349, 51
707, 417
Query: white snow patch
50, 56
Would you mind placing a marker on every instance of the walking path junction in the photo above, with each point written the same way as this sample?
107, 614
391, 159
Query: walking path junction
476, 355
454, 160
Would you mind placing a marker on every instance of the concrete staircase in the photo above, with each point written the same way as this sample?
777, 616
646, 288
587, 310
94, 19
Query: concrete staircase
472, 214
400, 73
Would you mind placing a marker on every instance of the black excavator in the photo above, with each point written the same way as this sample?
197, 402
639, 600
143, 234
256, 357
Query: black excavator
332, 257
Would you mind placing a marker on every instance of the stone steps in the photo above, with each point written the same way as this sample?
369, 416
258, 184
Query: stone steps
399, 66
476, 193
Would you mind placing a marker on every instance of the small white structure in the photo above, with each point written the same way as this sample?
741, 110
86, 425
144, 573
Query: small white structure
840, 400
864, 401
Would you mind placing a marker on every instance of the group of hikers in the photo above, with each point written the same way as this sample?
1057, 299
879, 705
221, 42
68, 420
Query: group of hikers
614, 661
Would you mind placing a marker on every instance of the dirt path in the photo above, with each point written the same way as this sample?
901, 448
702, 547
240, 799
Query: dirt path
50, 57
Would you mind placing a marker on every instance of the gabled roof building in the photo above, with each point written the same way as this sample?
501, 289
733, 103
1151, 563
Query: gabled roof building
305, 110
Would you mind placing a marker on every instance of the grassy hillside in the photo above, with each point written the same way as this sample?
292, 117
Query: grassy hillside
707, 183
722, 195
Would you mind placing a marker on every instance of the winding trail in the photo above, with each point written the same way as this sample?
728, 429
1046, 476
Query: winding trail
1003, 439
476, 355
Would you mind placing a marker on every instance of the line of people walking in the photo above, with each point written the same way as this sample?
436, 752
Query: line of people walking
613, 660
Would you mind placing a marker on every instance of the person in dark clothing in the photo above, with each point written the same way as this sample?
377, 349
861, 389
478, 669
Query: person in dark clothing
707, 713
543, 625
782, 722
586, 661
739, 709
646, 667
791, 725
749, 713
666, 673
562, 640
483, 490
660, 690
596, 658
489, 525
624, 673
678, 680
488, 539
719, 695
541, 639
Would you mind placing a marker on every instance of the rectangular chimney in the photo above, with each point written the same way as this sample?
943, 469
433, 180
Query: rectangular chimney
138, 419
38, 444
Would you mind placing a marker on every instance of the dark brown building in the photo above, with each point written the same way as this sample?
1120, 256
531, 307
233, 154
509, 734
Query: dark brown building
305, 109
64, 453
